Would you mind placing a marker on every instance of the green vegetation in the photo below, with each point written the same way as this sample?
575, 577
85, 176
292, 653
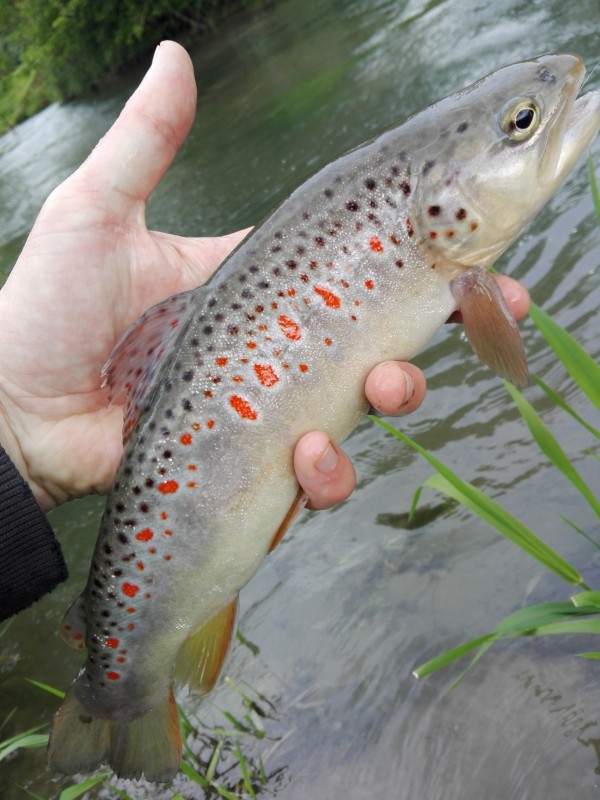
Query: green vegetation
582, 613
56, 50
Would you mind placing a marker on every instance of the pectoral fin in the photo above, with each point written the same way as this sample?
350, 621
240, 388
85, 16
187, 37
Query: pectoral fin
490, 326
202, 656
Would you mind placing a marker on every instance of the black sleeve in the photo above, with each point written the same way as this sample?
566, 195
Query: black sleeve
31, 561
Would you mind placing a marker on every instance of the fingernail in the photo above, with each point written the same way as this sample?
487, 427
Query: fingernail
328, 460
410, 388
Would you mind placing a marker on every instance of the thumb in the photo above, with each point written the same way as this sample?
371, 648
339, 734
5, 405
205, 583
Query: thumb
138, 149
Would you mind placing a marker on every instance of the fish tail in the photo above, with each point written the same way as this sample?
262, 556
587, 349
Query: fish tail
149, 745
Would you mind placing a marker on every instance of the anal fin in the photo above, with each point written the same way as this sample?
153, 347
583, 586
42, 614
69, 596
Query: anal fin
203, 654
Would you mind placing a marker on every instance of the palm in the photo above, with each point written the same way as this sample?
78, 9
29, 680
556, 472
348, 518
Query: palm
89, 268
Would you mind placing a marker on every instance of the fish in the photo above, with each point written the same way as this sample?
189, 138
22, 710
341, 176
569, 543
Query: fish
362, 263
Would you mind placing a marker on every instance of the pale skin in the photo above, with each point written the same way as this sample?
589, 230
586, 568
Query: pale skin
89, 268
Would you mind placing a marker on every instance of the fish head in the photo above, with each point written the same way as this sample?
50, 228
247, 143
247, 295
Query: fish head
506, 144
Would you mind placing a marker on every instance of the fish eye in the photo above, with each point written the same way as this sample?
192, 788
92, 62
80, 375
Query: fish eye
521, 120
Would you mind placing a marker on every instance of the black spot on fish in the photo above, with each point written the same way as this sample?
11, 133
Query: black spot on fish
241, 278
461, 213
122, 538
144, 508
405, 188
207, 330
427, 167
107, 549
117, 573
136, 489
149, 483
276, 249
546, 75
167, 454
399, 263
291, 264
212, 302
263, 284
219, 317
462, 127
246, 294
236, 306
168, 413
253, 269
194, 342
434, 211
104, 613
371, 184
186, 405
352, 205
320, 241
328, 193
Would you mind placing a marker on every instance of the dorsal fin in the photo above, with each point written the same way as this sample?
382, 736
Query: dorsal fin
132, 365
490, 326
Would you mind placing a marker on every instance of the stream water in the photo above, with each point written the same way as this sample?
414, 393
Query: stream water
355, 598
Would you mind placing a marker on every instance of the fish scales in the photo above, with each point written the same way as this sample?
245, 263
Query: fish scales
363, 263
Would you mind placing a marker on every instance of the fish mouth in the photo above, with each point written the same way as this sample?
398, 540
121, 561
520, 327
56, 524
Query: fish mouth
569, 138
583, 124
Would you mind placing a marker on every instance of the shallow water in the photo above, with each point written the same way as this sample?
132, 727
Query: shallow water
354, 599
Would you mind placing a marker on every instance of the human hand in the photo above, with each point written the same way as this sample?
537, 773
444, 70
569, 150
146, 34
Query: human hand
89, 268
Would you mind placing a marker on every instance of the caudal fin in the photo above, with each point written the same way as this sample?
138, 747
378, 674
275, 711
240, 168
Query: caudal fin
148, 746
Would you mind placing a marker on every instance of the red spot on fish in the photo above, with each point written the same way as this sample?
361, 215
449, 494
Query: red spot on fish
152, 551
369, 284
113, 676
78, 635
130, 589
174, 323
168, 487
130, 626
114, 643
191, 467
145, 535
131, 610
221, 361
210, 424
303, 367
191, 484
167, 557
473, 226
292, 292
237, 379
375, 244
432, 235
331, 300
168, 532
140, 565
243, 407
250, 345
163, 515
266, 374
291, 329
186, 438
208, 393
274, 305
121, 660
328, 341
409, 227
394, 239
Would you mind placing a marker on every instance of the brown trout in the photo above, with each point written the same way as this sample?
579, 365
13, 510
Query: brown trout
362, 263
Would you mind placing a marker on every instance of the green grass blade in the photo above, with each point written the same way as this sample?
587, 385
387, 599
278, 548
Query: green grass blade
449, 483
556, 398
579, 364
245, 773
46, 688
595, 656
26, 739
580, 531
586, 599
449, 656
550, 447
78, 789
594, 186
510, 527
